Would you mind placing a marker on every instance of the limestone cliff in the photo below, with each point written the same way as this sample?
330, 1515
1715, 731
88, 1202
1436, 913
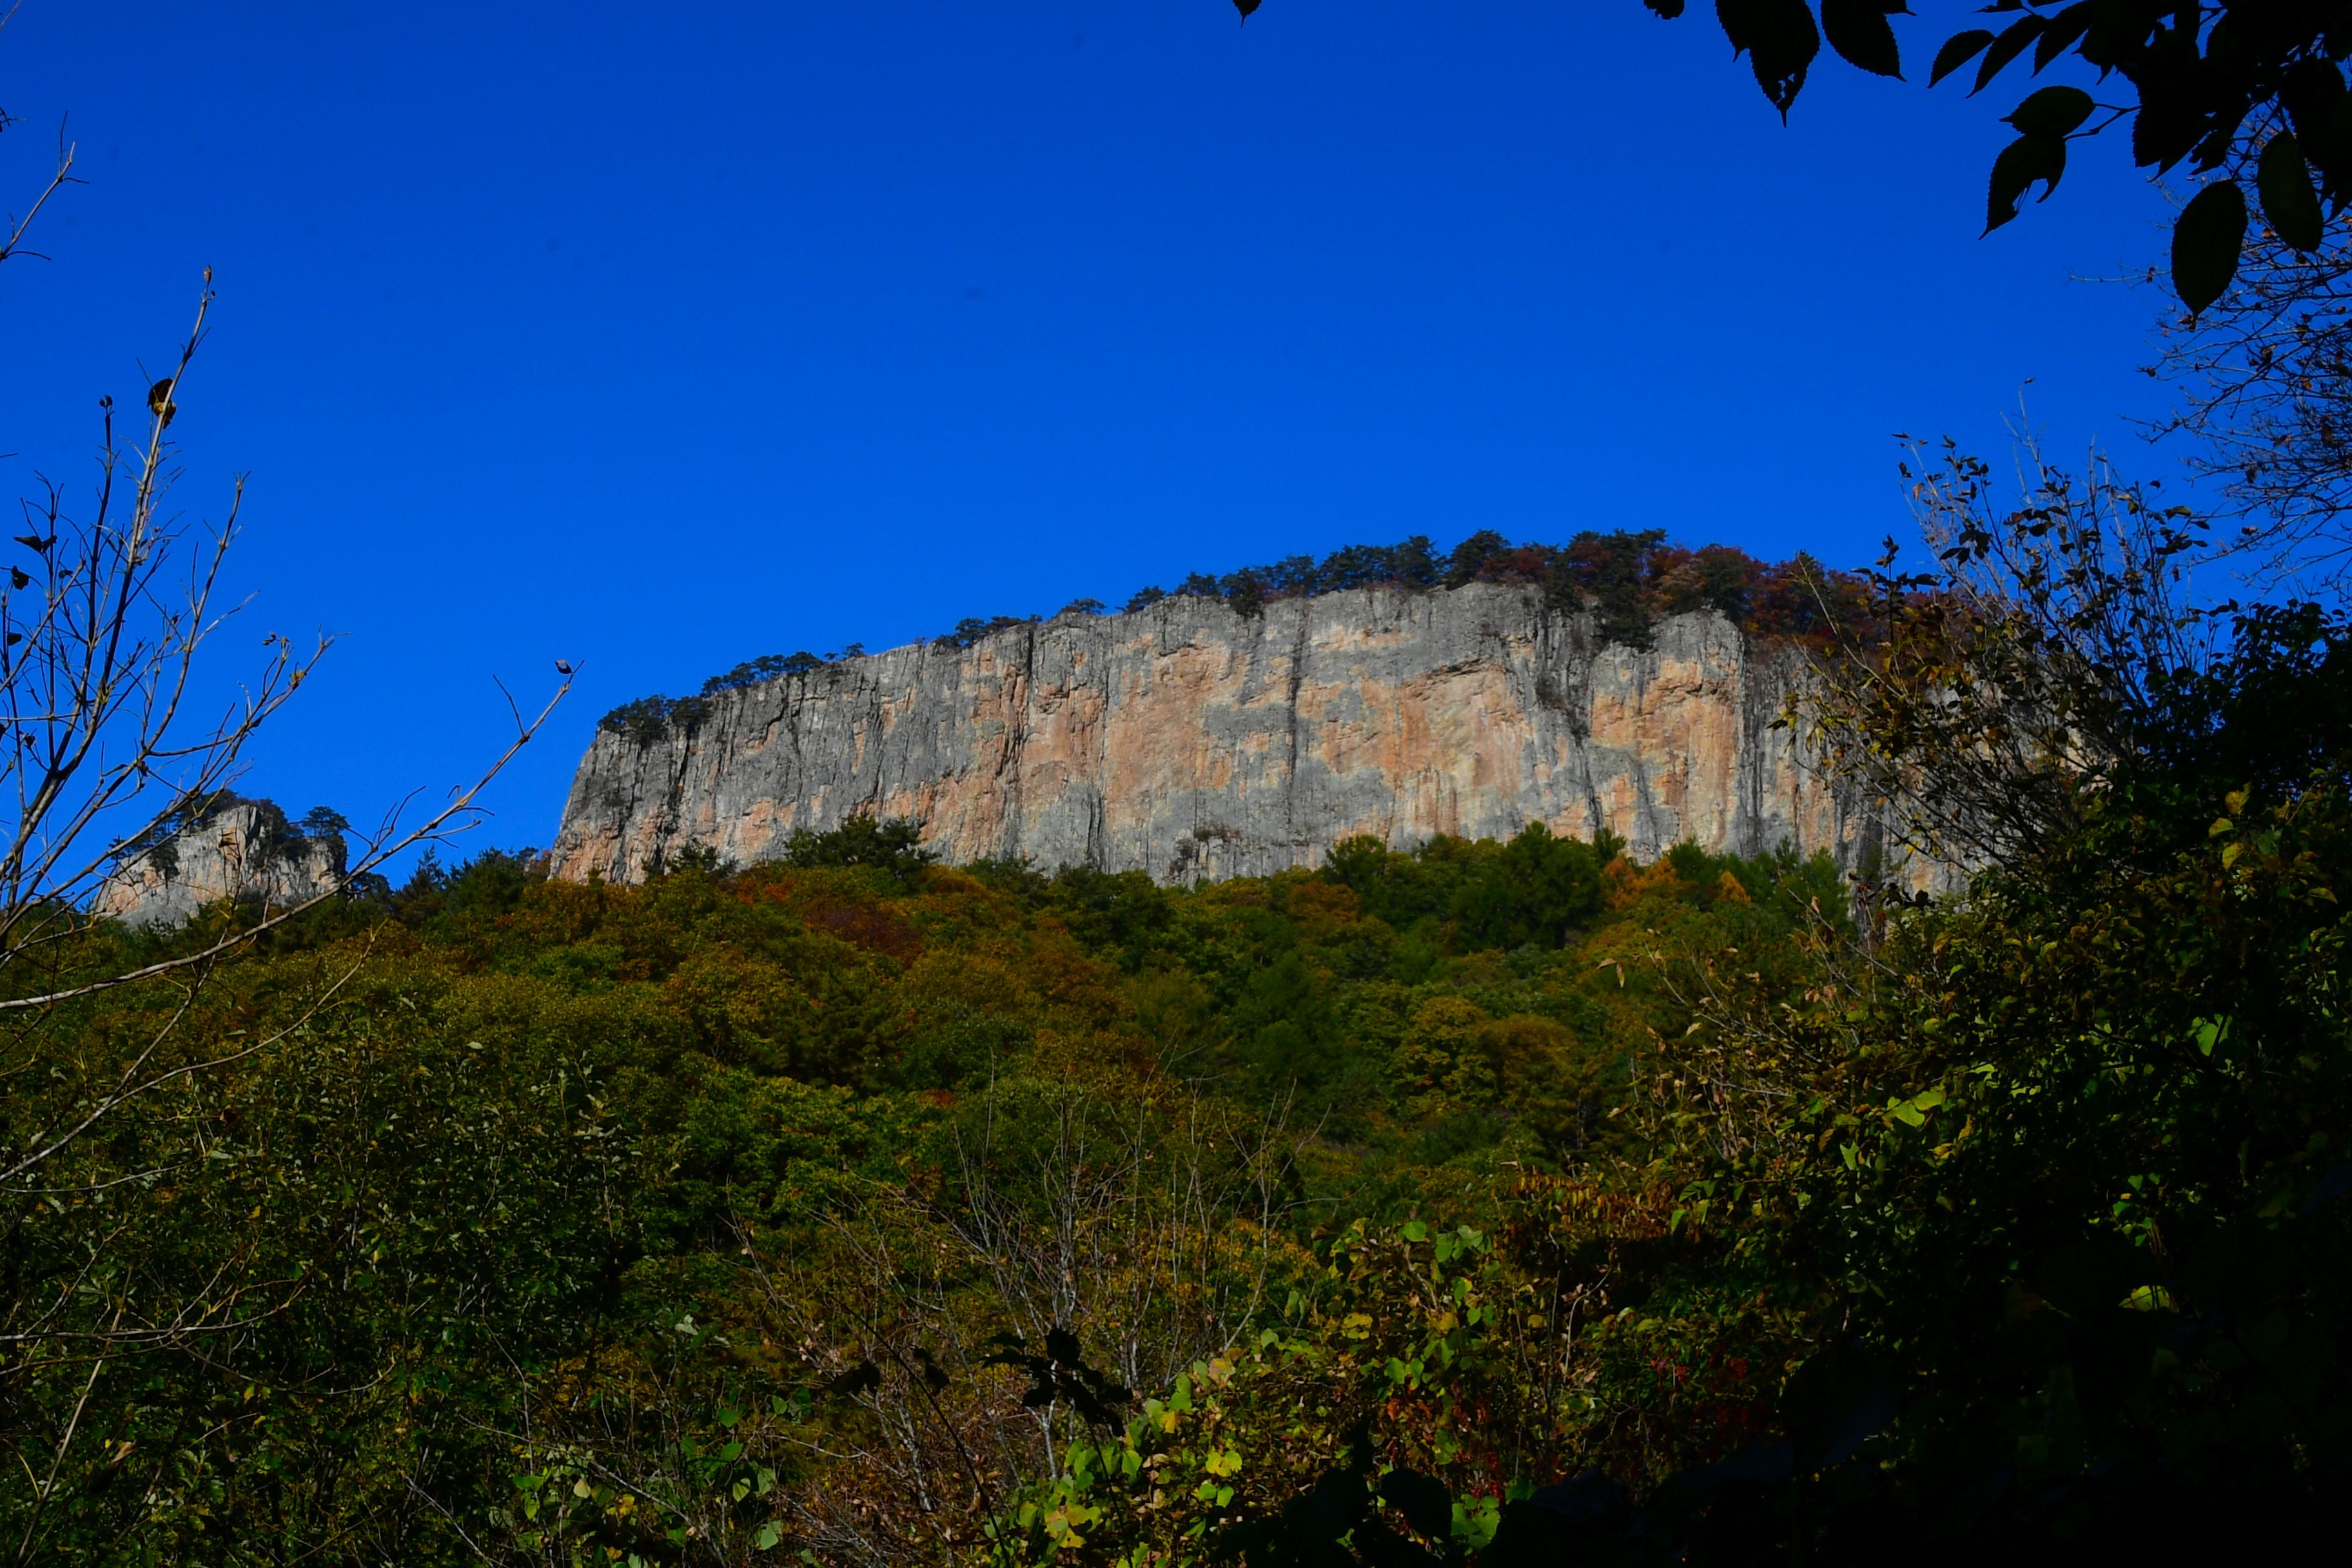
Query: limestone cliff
1192, 742
237, 849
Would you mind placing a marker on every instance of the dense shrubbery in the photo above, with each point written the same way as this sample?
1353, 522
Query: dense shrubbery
556, 1216
972, 628
648, 719
2022, 1233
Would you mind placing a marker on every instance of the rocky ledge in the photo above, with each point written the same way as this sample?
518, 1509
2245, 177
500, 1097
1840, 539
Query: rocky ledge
1193, 741
231, 848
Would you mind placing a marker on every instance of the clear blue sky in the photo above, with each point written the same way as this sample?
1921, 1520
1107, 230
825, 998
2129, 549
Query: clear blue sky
660, 337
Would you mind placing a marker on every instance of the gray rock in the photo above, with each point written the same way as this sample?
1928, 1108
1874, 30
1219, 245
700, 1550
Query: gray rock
1193, 743
241, 850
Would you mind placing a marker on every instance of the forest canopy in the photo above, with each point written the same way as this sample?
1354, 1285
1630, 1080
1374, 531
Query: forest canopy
1503, 1200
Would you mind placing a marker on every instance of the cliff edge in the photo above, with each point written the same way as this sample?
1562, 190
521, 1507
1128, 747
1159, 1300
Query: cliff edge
230, 848
1193, 741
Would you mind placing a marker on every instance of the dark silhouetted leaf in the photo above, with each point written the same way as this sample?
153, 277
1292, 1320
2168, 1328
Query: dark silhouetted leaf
2007, 48
2065, 27
1835, 1402
1759, 1464
1423, 1501
1858, 30
2164, 131
2174, 100
2023, 162
1378, 1546
1780, 39
2220, 135
1669, 9
857, 1380
2053, 112
2206, 240
1245, 7
2288, 201
1582, 1520
2313, 95
2331, 1186
1958, 50
1061, 1373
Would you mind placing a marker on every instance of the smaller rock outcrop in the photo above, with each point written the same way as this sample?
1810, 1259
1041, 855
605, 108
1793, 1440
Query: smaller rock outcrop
228, 847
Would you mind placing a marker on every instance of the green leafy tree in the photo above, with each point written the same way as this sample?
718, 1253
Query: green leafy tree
893, 848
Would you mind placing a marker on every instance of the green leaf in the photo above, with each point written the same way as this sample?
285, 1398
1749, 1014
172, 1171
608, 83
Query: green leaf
2288, 201
1958, 50
2023, 162
1858, 30
2206, 240
769, 1533
2053, 112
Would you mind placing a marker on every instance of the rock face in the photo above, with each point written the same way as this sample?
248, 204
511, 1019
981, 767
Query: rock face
1193, 743
240, 850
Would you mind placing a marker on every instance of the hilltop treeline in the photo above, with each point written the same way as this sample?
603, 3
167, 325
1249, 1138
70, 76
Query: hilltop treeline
275, 834
1626, 580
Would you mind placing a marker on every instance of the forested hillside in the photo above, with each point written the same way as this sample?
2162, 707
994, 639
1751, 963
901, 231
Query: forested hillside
1497, 1200
1522, 1202
508, 1179
1505, 1201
